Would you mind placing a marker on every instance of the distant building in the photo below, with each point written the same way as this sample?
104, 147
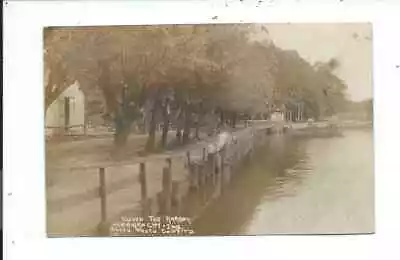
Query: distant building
67, 111
277, 116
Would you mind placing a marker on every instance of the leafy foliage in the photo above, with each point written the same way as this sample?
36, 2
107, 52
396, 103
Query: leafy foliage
188, 70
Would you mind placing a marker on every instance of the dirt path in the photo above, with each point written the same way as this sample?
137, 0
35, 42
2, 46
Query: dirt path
77, 170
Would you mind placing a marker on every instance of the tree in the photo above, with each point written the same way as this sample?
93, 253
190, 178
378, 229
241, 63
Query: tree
56, 77
332, 87
190, 71
317, 87
103, 56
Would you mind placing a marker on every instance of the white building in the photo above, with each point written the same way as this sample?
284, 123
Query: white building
60, 114
277, 116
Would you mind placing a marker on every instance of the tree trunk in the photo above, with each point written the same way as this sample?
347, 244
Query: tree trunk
178, 124
197, 131
186, 133
221, 118
121, 132
179, 134
143, 123
186, 127
152, 131
234, 119
165, 124
198, 119
121, 137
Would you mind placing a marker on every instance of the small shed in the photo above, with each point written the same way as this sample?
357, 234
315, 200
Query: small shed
67, 111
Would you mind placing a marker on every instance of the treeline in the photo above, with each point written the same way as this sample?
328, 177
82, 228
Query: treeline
185, 74
361, 110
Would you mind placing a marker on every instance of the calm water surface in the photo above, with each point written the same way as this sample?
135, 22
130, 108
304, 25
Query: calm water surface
299, 185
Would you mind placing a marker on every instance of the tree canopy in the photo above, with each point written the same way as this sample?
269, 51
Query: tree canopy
197, 68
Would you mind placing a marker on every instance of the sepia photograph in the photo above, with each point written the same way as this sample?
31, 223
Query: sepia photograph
209, 129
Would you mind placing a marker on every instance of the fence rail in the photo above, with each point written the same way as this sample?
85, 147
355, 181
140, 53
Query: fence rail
168, 197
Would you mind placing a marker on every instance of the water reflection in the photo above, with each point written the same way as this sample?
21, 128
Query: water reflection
299, 185
269, 176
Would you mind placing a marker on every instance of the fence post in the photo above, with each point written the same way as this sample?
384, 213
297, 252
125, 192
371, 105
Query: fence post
222, 168
211, 166
188, 159
161, 203
236, 157
166, 187
143, 181
251, 150
193, 178
202, 182
103, 229
169, 163
147, 207
175, 201
143, 187
200, 175
228, 172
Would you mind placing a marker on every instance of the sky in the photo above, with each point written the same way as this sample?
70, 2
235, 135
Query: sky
351, 44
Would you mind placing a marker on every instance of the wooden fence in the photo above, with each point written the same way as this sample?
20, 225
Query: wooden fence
206, 176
